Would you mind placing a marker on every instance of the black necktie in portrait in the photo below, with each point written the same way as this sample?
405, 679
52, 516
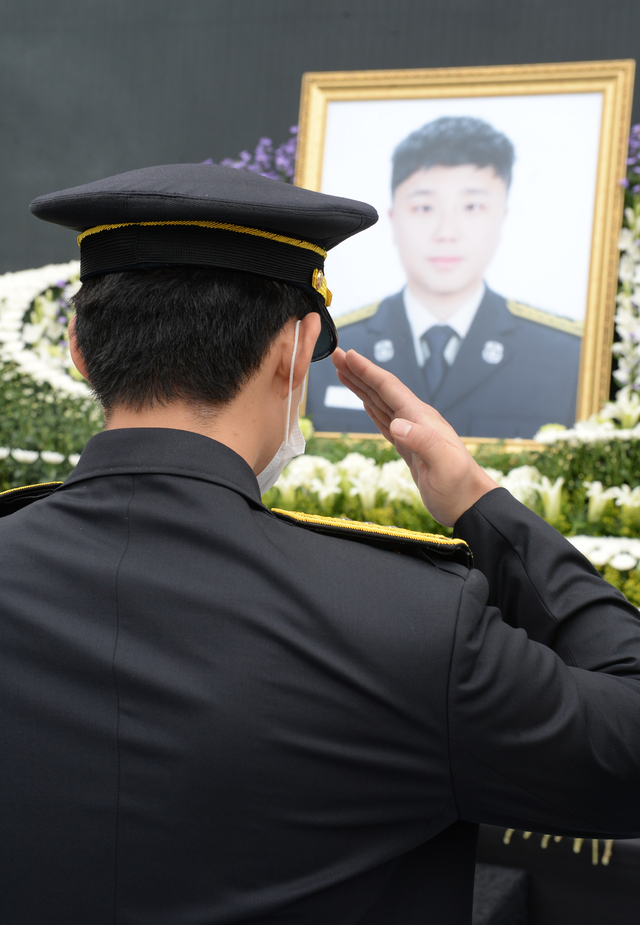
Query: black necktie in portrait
436, 338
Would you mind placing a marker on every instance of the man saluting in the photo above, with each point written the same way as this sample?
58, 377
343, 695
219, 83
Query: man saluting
216, 713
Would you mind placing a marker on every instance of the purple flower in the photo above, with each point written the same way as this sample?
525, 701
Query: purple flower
276, 165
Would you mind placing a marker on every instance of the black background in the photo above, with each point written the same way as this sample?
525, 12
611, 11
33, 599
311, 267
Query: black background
95, 87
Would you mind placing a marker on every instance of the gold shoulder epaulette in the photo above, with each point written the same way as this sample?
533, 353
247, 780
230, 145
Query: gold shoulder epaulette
541, 317
396, 539
15, 498
358, 315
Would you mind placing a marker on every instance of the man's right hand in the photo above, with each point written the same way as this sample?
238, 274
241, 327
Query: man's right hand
449, 479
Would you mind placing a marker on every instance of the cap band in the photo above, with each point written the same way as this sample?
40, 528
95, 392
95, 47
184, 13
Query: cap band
147, 245
223, 226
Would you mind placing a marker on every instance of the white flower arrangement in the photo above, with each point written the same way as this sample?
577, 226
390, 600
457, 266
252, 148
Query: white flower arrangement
358, 475
628, 306
354, 476
28, 457
38, 345
620, 552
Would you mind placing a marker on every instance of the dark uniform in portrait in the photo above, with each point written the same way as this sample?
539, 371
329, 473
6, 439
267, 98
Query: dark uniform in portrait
215, 713
516, 370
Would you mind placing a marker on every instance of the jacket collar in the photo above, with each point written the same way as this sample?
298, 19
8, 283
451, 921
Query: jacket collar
140, 450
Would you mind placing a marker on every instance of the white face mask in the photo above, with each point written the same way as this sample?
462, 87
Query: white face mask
294, 443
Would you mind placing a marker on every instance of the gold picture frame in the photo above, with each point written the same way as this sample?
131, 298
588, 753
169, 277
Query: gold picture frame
606, 84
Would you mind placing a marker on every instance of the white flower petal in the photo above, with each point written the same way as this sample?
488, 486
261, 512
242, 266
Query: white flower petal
25, 456
49, 456
623, 561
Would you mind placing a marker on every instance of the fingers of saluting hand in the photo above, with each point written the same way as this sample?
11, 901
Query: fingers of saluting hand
387, 396
388, 402
349, 368
449, 479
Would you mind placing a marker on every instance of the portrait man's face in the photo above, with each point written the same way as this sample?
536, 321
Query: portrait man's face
447, 223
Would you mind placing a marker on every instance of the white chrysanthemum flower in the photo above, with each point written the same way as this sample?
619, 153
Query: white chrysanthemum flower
25, 456
551, 429
49, 456
592, 430
74, 459
354, 464
604, 550
627, 268
4, 452
600, 555
585, 544
522, 483
305, 468
623, 561
300, 473
397, 484
624, 302
626, 239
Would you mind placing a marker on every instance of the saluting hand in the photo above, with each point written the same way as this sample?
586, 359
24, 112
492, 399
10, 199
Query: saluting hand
449, 479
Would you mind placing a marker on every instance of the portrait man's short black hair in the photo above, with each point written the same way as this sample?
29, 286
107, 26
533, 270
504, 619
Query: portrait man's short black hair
450, 142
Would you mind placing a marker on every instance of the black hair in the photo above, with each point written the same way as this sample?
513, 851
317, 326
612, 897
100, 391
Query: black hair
196, 334
452, 141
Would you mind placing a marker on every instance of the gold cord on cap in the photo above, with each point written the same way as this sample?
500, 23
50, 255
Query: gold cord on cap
223, 226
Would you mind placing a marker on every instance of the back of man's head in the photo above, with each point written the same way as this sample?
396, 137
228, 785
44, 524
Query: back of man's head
193, 334
189, 273
450, 142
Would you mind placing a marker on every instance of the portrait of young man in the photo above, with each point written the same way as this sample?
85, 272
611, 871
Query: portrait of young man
492, 366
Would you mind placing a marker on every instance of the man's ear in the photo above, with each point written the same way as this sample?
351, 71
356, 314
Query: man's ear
307, 336
76, 356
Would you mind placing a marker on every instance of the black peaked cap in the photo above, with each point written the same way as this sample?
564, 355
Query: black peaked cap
205, 215
206, 192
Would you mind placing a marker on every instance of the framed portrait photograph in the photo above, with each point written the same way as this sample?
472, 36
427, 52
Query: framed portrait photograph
488, 284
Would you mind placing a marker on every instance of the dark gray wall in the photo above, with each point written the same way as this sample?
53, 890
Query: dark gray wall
96, 87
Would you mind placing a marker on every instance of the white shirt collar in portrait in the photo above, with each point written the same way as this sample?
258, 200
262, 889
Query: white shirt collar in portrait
421, 319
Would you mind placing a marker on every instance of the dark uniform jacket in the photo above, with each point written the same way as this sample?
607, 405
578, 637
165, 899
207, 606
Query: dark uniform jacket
212, 715
516, 369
